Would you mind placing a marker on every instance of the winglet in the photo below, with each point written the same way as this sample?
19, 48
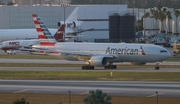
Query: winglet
45, 37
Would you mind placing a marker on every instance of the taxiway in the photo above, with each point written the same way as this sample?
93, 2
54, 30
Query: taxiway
120, 88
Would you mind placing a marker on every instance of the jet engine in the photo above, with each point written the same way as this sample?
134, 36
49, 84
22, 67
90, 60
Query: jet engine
98, 61
73, 24
138, 63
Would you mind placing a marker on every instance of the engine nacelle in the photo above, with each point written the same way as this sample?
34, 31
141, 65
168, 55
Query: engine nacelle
73, 24
77, 24
138, 63
98, 61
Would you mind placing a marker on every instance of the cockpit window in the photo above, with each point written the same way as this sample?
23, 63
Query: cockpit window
162, 51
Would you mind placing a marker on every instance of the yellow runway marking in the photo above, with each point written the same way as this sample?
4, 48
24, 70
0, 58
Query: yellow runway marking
22, 91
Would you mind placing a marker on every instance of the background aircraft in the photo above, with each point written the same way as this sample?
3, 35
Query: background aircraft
99, 54
29, 36
71, 26
10, 46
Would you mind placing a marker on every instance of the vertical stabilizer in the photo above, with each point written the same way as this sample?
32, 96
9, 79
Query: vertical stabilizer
73, 16
59, 34
45, 37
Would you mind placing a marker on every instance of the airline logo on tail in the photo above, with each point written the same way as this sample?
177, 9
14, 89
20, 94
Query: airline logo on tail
60, 33
45, 37
143, 53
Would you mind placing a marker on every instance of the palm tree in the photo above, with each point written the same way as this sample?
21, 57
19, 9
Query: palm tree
169, 17
97, 97
177, 14
156, 16
146, 15
20, 101
162, 17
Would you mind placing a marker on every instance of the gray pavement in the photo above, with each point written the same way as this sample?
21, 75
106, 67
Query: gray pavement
98, 69
2, 60
120, 88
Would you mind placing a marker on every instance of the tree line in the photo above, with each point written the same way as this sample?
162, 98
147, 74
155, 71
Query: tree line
133, 3
162, 14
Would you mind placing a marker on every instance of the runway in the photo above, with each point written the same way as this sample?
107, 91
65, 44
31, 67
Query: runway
120, 88
67, 62
98, 69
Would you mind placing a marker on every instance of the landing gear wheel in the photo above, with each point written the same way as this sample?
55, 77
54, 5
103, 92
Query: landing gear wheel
88, 67
105, 67
156, 67
114, 66
110, 67
83, 67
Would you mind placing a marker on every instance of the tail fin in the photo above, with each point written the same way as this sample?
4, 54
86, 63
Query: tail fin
60, 34
45, 37
74, 15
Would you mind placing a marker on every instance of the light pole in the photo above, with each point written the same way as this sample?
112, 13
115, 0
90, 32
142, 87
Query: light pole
64, 6
69, 97
64, 23
144, 21
157, 96
133, 7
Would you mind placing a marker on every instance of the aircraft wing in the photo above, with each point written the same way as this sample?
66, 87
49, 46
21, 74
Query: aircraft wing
76, 54
76, 32
41, 50
84, 54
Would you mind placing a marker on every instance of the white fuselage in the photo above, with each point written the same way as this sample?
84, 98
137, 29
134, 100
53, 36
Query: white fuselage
124, 52
16, 44
20, 34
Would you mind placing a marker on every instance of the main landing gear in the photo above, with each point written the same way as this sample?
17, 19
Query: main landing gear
88, 67
110, 66
157, 65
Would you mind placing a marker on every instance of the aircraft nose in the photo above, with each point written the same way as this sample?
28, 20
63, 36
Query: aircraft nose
166, 56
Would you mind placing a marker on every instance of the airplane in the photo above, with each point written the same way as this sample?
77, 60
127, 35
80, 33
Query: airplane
99, 54
72, 24
10, 46
28, 36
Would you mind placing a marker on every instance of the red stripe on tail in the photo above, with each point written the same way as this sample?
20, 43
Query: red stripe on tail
38, 29
41, 37
36, 22
33, 15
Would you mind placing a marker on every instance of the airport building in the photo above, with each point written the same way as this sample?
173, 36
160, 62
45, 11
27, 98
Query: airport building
26, 2
122, 27
93, 16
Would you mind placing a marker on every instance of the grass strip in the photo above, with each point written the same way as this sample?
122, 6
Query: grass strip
90, 75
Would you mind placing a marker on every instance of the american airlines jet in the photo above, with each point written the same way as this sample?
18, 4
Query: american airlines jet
99, 54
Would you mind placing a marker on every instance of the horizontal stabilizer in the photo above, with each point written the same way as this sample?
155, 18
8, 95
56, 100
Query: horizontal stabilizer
76, 32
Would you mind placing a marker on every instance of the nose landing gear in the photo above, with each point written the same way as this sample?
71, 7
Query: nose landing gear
157, 65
